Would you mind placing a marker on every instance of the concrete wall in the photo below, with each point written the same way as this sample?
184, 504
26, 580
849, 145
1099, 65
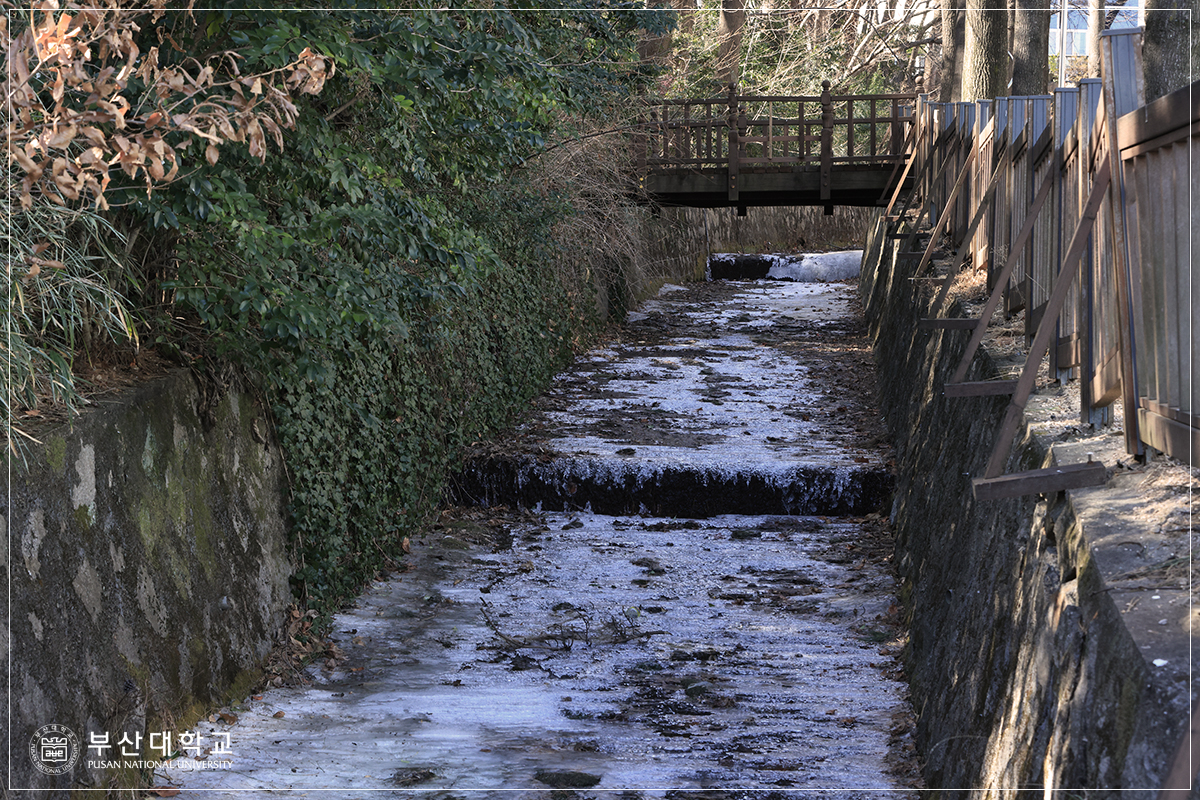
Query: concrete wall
1023, 672
150, 568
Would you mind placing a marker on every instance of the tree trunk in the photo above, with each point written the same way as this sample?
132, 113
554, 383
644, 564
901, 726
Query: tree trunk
686, 10
650, 47
1095, 28
1165, 46
985, 57
729, 40
953, 24
1031, 48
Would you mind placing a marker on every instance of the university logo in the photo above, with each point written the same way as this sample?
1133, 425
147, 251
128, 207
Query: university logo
54, 749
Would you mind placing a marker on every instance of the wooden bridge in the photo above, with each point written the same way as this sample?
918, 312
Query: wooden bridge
751, 150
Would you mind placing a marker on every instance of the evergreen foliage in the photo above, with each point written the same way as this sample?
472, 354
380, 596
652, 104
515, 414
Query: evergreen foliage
391, 274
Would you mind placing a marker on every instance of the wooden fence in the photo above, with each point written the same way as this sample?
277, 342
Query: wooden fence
1077, 204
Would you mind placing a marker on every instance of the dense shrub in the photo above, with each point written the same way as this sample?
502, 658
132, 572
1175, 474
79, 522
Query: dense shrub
373, 246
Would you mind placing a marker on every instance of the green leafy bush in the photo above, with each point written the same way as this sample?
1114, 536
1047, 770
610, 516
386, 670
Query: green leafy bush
401, 274
394, 276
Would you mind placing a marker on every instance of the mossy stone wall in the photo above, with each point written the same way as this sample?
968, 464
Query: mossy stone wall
150, 568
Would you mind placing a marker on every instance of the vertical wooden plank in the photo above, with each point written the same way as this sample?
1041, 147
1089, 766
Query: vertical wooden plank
1018, 111
1122, 88
708, 132
1090, 414
1177, 267
1146, 171
770, 154
1121, 51
981, 249
1066, 109
850, 127
874, 122
1188, 326
734, 151
1090, 90
895, 145
1039, 114
664, 136
826, 141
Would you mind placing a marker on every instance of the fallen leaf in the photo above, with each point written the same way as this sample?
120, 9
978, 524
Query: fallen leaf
166, 791
228, 719
278, 715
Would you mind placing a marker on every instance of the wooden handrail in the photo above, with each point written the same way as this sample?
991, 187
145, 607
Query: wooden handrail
671, 137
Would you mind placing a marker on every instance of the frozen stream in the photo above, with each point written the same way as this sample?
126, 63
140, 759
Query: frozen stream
573, 654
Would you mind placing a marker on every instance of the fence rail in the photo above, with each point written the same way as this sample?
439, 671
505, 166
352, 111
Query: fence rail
1089, 181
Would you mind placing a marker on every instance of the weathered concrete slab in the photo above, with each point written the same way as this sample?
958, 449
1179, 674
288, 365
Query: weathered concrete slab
150, 577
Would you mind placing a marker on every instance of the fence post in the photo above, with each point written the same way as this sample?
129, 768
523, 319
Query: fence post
640, 144
826, 146
1123, 92
734, 145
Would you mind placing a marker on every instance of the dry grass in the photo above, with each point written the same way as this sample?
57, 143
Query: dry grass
969, 285
783, 229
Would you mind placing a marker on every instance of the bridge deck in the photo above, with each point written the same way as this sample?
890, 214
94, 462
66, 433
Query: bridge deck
851, 185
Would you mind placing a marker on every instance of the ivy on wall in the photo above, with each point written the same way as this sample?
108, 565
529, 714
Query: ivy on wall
391, 275
369, 448
337, 198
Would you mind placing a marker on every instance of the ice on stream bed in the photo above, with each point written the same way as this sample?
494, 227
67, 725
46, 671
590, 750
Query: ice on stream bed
742, 652
733, 638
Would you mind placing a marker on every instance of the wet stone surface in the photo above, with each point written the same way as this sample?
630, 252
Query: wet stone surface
723, 397
570, 654
620, 652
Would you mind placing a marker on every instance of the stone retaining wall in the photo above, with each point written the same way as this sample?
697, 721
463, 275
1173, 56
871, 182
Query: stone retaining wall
1024, 674
150, 570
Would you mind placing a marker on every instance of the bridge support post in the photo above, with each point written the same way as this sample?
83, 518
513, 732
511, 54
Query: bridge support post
735, 144
826, 147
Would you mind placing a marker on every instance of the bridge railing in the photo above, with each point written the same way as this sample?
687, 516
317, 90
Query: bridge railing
1093, 167
745, 133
